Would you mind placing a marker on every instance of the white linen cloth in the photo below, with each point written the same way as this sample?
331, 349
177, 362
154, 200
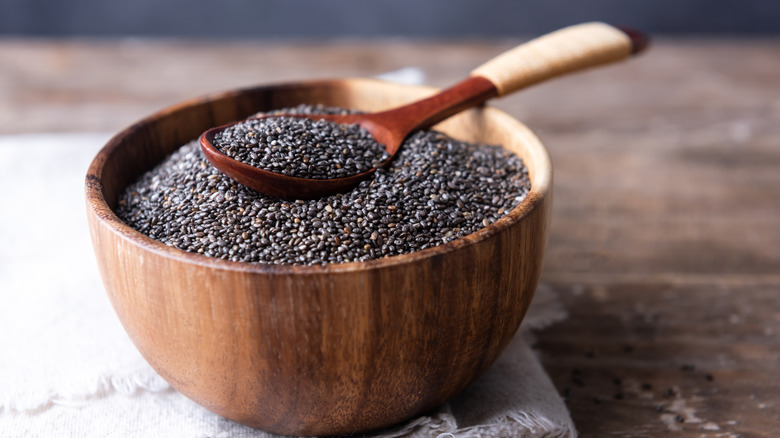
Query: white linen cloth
68, 369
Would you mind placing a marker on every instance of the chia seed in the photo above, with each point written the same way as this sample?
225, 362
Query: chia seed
302, 147
436, 190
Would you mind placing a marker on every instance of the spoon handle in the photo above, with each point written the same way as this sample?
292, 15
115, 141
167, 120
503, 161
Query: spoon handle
563, 51
566, 50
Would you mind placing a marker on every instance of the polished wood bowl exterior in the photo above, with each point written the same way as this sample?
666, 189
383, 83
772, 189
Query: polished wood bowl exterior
308, 350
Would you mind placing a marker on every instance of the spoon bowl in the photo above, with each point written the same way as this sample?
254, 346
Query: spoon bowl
276, 184
567, 50
388, 128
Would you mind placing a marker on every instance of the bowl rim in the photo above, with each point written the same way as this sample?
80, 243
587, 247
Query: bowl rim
541, 182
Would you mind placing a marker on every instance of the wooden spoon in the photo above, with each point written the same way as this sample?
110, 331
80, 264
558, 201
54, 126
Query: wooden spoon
567, 50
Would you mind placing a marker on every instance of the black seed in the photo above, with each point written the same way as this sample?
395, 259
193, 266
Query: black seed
196, 208
285, 145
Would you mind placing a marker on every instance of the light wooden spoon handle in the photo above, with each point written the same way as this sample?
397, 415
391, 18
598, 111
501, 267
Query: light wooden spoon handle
563, 51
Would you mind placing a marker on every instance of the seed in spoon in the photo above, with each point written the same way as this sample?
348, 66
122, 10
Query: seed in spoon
300, 147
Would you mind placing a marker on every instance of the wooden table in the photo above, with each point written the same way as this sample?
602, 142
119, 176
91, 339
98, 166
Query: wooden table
665, 244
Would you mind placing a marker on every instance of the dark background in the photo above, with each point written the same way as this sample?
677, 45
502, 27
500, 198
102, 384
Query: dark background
366, 18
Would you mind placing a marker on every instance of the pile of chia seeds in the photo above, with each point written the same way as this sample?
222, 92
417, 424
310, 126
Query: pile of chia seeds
304, 148
437, 189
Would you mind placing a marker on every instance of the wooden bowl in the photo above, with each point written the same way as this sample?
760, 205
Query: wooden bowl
315, 350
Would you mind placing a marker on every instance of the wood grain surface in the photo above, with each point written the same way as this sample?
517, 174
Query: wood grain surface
665, 238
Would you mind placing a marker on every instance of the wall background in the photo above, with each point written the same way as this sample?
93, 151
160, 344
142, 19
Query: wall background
377, 18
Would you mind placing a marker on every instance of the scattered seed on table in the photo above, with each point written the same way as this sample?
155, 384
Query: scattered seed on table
392, 213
